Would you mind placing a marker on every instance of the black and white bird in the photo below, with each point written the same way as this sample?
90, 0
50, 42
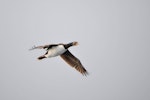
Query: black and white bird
61, 50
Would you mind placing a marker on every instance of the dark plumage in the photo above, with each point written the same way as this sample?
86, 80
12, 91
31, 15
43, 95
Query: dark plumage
62, 51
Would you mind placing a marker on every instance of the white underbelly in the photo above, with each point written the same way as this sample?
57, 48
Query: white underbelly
56, 51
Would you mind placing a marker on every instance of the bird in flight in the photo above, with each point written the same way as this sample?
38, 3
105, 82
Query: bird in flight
53, 50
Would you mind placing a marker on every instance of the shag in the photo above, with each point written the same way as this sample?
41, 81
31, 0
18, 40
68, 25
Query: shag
53, 50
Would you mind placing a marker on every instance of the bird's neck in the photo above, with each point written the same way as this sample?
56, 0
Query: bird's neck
68, 45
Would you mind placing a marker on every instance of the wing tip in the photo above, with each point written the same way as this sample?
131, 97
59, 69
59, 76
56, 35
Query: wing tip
32, 48
85, 73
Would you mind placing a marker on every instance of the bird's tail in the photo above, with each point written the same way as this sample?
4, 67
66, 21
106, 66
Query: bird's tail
41, 57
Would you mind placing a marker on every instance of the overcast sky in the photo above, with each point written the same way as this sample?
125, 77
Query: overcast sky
114, 46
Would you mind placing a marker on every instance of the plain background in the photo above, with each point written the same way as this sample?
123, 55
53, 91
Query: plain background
114, 46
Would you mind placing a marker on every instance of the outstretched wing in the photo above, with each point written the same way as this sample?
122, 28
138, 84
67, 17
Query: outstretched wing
43, 47
74, 62
39, 47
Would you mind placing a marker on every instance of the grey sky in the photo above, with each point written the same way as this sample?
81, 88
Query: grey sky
113, 36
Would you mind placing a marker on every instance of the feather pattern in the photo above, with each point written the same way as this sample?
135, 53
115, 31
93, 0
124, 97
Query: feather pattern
74, 62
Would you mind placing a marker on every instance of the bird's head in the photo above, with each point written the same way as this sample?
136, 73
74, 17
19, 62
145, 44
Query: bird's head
75, 43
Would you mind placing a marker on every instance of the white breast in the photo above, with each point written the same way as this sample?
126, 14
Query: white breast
56, 51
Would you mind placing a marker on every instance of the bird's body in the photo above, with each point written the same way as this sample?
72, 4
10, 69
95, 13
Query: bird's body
61, 50
55, 51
